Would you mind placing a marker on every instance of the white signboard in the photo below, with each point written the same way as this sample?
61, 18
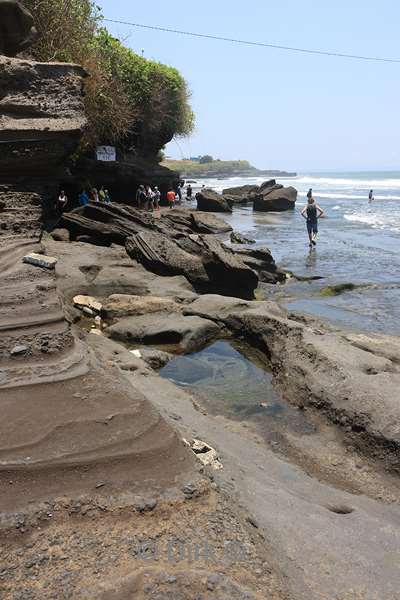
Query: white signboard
106, 153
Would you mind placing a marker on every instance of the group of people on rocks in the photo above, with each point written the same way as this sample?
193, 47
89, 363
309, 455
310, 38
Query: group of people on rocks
148, 198
93, 195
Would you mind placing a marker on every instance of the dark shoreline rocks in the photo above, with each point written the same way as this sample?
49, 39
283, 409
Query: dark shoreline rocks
268, 197
238, 238
275, 199
211, 201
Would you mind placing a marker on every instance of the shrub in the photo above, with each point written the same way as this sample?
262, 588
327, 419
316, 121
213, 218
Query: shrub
129, 100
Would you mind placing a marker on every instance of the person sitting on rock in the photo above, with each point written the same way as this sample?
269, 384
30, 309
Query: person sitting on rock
107, 197
102, 195
312, 212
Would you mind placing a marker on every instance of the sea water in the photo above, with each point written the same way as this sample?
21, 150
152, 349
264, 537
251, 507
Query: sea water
358, 243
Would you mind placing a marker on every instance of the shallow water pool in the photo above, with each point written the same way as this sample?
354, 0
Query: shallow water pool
227, 383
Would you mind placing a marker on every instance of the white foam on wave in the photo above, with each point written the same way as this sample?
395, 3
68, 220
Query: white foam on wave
354, 196
336, 207
361, 183
374, 220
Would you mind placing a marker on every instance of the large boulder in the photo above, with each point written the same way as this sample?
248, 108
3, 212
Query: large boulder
275, 199
241, 194
205, 262
261, 260
241, 190
210, 201
114, 223
17, 30
195, 221
163, 256
190, 333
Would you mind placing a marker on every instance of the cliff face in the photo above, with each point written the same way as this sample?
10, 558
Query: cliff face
41, 121
55, 393
41, 115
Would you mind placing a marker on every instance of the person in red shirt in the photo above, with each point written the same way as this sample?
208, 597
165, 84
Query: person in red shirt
171, 198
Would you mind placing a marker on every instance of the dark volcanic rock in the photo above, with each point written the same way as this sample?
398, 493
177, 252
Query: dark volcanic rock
203, 260
238, 238
195, 222
242, 190
114, 223
261, 261
210, 201
190, 332
17, 31
269, 185
275, 199
269, 196
163, 256
42, 115
241, 194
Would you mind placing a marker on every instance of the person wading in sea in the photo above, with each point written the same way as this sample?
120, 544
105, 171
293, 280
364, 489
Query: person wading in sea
371, 196
309, 194
312, 212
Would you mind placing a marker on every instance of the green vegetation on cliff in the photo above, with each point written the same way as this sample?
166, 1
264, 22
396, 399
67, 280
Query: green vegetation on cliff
130, 101
191, 168
206, 166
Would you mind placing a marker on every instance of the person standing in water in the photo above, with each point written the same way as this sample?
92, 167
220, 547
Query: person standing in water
309, 194
312, 212
371, 196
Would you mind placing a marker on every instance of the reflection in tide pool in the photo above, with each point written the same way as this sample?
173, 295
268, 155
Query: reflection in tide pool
229, 384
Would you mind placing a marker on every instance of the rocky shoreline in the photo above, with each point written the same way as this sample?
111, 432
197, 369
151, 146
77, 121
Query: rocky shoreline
98, 471
336, 376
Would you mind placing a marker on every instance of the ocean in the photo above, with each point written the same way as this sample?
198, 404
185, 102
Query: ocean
358, 243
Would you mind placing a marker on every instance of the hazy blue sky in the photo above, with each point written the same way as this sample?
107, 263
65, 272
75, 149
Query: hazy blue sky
278, 109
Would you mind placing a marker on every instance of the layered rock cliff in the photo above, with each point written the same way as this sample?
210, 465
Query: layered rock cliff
67, 418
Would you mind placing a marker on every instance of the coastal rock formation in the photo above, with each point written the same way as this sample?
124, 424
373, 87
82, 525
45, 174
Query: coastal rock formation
211, 201
171, 245
114, 223
69, 420
125, 305
202, 259
17, 30
261, 260
41, 116
241, 194
273, 197
268, 197
188, 332
238, 238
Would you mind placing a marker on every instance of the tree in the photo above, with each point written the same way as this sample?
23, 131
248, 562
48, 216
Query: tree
206, 159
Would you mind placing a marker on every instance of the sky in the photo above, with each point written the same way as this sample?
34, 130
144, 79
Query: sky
280, 110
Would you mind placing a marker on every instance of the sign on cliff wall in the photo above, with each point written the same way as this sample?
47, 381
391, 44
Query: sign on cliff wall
106, 153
